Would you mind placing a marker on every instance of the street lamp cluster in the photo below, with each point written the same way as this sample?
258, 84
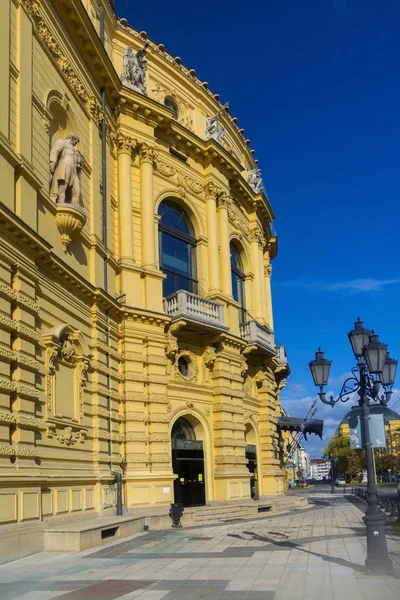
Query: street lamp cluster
374, 369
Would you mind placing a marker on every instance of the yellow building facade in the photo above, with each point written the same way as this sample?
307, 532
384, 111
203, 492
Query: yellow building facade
135, 267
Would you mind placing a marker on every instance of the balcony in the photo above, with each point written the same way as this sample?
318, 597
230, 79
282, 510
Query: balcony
259, 336
283, 369
281, 356
200, 313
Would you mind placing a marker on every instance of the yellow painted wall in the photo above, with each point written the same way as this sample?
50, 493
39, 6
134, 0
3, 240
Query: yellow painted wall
89, 375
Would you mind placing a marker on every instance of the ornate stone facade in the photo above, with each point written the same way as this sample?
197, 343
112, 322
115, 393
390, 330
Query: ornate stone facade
97, 366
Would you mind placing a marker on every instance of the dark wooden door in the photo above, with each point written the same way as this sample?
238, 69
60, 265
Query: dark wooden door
188, 464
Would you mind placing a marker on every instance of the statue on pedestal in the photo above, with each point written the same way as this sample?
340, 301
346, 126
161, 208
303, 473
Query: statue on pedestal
215, 131
255, 180
134, 73
65, 165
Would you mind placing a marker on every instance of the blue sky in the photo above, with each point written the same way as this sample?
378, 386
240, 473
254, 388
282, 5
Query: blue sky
315, 84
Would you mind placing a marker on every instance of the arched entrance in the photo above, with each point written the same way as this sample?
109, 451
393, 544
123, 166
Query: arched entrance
251, 455
188, 462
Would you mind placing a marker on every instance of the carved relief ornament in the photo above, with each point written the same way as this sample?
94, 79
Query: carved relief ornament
32, 7
184, 109
184, 182
209, 357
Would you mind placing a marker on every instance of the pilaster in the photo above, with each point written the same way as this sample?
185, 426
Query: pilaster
152, 277
256, 243
231, 476
270, 472
130, 276
268, 295
212, 234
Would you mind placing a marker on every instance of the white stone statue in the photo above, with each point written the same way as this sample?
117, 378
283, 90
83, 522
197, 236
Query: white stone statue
255, 181
215, 131
65, 165
134, 73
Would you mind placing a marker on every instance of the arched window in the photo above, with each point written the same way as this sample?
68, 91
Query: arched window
169, 103
177, 249
238, 279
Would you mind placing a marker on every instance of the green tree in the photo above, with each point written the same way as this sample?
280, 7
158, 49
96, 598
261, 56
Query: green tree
349, 463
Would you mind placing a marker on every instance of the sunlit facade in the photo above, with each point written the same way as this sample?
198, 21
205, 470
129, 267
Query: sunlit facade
137, 332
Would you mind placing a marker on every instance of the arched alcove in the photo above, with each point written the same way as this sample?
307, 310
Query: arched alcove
252, 458
62, 121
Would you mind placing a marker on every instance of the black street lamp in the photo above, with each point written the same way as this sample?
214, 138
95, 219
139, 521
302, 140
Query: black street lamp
374, 368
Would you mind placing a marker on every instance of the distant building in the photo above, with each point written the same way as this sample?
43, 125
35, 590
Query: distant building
320, 468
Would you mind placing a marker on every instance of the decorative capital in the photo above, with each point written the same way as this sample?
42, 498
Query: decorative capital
224, 200
256, 235
211, 191
125, 144
147, 154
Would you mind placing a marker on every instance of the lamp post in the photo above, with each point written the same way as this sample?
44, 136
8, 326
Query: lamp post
374, 368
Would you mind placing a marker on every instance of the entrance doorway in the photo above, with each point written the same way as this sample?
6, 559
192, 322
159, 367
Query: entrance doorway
188, 464
251, 455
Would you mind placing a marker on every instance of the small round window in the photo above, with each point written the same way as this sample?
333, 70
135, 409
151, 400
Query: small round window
184, 366
169, 103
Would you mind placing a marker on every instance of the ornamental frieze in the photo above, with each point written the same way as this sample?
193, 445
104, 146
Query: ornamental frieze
185, 183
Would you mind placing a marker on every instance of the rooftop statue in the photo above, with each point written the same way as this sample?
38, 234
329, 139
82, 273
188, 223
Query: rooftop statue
215, 131
134, 73
65, 165
255, 180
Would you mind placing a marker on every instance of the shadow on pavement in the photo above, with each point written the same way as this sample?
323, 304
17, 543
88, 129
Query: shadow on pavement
296, 546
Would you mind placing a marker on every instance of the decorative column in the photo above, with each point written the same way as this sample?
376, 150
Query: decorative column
212, 234
261, 246
125, 146
147, 157
255, 238
267, 286
225, 258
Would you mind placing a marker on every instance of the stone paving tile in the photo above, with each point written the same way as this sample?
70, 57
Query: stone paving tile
310, 555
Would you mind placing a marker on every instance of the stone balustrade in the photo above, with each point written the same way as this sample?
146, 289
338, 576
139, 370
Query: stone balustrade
191, 307
256, 334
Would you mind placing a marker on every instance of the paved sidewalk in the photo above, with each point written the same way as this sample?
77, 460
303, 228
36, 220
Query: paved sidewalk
316, 553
